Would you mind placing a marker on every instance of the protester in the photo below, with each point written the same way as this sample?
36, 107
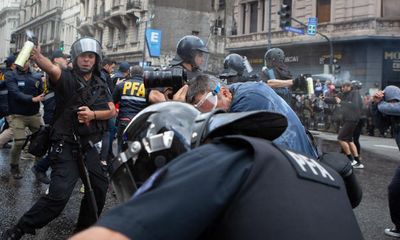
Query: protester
207, 93
386, 107
351, 104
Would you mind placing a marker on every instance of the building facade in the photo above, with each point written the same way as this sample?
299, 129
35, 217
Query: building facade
365, 36
9, 20
71, 10
120, 26
43, 18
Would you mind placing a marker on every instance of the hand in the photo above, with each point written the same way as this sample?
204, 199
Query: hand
338, 100
36, 51
378, 96
180, 95
38, 98
156, 96
99, 233
85, 115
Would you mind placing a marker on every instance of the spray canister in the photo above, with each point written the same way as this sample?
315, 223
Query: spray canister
247, 64
26, 50
310, 86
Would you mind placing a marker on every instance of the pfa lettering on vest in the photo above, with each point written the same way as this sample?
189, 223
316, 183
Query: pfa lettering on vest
310, 169
133, 89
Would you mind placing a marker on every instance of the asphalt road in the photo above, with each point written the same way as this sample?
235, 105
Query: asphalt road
380, 158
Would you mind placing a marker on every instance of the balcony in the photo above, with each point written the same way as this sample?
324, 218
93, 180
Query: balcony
340, 31
133, 4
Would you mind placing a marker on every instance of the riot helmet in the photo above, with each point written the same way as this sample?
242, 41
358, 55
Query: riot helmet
356, 84
273, 57
83, 45
192, 50
163, 131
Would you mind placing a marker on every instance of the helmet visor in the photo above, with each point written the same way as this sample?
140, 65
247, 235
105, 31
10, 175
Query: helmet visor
201, 60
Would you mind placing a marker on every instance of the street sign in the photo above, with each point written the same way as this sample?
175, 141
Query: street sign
295, 30
153, 39
312, 26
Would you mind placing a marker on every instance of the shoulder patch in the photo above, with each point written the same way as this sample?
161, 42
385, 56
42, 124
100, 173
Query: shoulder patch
310, 169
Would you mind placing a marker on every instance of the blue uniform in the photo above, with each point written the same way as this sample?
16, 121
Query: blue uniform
238, 188
22, 87
251, 96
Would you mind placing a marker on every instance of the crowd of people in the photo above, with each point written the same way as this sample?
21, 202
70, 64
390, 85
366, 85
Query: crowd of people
192, 157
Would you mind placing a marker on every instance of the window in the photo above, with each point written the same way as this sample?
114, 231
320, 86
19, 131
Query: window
110, 35
52, 30
253, 17
390, 8
243, 18
324, 10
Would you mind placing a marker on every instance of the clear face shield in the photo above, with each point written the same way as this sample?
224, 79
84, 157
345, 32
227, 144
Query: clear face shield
201, 60
209, 101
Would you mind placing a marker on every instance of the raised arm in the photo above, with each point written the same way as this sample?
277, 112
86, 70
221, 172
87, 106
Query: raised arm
46, 65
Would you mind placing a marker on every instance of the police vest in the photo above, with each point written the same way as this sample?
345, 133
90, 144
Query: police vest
286, 196
92, 94
133, 98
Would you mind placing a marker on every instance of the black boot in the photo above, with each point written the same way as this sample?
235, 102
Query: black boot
14, 233
15, 171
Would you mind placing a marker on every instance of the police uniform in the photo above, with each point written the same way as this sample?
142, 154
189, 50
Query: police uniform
131, 96
22, 87
71, 93
238, 188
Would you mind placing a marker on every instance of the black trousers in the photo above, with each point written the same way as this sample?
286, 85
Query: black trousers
64, 175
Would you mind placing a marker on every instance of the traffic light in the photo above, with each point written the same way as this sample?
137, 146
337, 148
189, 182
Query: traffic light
62, 46
285, 16
336, 66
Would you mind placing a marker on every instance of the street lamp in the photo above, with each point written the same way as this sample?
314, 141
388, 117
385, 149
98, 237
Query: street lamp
145, 21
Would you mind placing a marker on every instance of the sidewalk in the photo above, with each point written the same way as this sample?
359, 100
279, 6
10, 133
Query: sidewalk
382, 146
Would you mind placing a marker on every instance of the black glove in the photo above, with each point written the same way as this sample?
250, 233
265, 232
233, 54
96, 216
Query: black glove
300, 83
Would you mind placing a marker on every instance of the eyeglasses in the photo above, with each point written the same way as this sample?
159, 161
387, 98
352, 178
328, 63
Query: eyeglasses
209, 101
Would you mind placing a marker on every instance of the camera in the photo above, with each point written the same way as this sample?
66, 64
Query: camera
173, 78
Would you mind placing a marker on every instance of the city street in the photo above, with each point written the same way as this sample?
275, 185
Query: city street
380, 157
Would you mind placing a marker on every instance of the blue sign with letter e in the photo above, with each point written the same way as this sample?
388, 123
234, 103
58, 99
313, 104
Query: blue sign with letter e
153, 39
312, 26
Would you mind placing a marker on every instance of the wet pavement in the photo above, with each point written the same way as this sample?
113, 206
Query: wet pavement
17, 196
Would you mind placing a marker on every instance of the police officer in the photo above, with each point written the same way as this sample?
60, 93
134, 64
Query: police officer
275, 68
192, 56
233, 187
83, 105
238, 69
122, 74
24, 96
7, 134
130, 95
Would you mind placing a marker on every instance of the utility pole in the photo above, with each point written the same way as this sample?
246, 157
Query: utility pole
269, 24
145, 21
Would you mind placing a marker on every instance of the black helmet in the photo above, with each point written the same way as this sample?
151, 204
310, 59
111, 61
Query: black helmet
356, 84
187, 48
233, 65
163, 131
274, 55
86, 44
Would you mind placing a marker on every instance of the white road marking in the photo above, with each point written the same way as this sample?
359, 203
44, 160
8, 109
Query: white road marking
385, 146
